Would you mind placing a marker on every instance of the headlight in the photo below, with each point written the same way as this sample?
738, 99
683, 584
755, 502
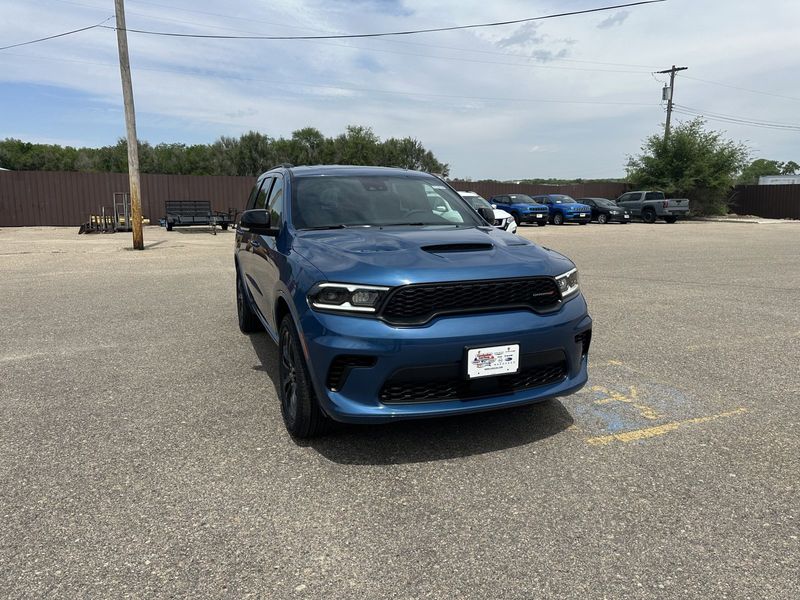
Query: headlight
614, 212
568, 284
509, 221
346, 297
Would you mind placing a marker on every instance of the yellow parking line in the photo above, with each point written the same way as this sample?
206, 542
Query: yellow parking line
648, 432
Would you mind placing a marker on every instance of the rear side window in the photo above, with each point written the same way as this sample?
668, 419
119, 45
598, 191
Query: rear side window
654, 196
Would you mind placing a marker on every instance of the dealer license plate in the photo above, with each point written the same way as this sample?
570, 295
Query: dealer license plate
583, 214
627, 216
496, 360
539, 216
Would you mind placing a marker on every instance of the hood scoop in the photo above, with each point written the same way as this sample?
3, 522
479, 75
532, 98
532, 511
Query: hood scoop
446, 248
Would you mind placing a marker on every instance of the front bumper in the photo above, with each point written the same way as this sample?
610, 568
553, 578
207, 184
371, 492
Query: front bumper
618, 218
577, 218
440, 343
534, 217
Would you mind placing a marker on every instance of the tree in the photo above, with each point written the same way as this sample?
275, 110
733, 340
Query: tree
250, 154
762, 167
692, 163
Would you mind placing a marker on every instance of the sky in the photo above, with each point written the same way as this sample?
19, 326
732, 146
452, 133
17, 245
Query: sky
568, 97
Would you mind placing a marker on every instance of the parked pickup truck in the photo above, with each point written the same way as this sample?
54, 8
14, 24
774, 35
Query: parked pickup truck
654, 205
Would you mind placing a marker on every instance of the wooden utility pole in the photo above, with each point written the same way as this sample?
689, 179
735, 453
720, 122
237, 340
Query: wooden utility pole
130, 125
671, 72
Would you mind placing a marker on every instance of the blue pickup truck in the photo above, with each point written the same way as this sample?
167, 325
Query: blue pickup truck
563, 209
523, 208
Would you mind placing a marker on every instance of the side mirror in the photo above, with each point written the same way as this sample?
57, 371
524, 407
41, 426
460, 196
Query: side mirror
487, 214
256, 221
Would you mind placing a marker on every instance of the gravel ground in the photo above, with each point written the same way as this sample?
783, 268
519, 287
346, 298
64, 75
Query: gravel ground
142, 452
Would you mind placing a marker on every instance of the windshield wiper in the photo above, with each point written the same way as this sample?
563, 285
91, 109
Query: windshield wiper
405, 224
318, 227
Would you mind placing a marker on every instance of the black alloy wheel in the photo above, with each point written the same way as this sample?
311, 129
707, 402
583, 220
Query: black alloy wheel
649, 215
300, 409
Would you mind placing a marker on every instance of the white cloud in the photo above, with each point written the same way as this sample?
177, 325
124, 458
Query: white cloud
444, 89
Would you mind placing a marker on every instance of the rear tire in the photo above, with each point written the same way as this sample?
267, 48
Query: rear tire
602, 218
558, 219
169, 226
670, 219
248, 320
300, 409
649, 216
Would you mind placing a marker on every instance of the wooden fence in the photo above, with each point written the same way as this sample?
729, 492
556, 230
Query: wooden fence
769, 201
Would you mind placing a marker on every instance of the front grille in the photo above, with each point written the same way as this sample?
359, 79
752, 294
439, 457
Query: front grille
397, 391
418, 303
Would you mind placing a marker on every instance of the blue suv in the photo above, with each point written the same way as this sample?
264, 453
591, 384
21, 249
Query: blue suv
563, 209
390, 298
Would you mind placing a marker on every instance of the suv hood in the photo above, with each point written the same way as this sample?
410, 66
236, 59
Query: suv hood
399, 256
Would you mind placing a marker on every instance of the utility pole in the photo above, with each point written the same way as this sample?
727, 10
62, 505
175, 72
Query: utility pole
671, 72
130, 125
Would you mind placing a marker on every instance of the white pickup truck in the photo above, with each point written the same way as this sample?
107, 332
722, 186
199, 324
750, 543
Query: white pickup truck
651, 205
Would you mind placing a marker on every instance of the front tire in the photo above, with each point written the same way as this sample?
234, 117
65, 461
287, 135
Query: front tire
602, 218
649, 216
541, 222
558, 219
516, 218
300, 408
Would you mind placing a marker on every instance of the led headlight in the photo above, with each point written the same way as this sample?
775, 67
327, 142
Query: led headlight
568, 284
346, 297
614, 212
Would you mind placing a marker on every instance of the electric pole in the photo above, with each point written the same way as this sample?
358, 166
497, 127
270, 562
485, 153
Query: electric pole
670, 94
130, 125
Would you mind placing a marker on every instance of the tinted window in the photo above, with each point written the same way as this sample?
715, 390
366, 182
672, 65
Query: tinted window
275, 204
654, 196
261, 199
251, 201
320, 202
561, 199
521, 199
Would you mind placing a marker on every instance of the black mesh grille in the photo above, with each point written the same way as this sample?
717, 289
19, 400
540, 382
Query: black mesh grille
455, 388
418, 303
342, 365
584, 339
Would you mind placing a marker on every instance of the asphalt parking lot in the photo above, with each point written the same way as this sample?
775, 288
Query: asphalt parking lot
142, 452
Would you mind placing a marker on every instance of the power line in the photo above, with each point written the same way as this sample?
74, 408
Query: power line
57, 35
734, 120
387, 33
404, 42
736, 87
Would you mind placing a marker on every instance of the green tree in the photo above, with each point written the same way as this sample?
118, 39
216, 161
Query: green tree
693, 163
762, 167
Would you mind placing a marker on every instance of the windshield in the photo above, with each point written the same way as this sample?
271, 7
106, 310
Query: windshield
477, 202
521, 199
377, 201
558, 199
606, 203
